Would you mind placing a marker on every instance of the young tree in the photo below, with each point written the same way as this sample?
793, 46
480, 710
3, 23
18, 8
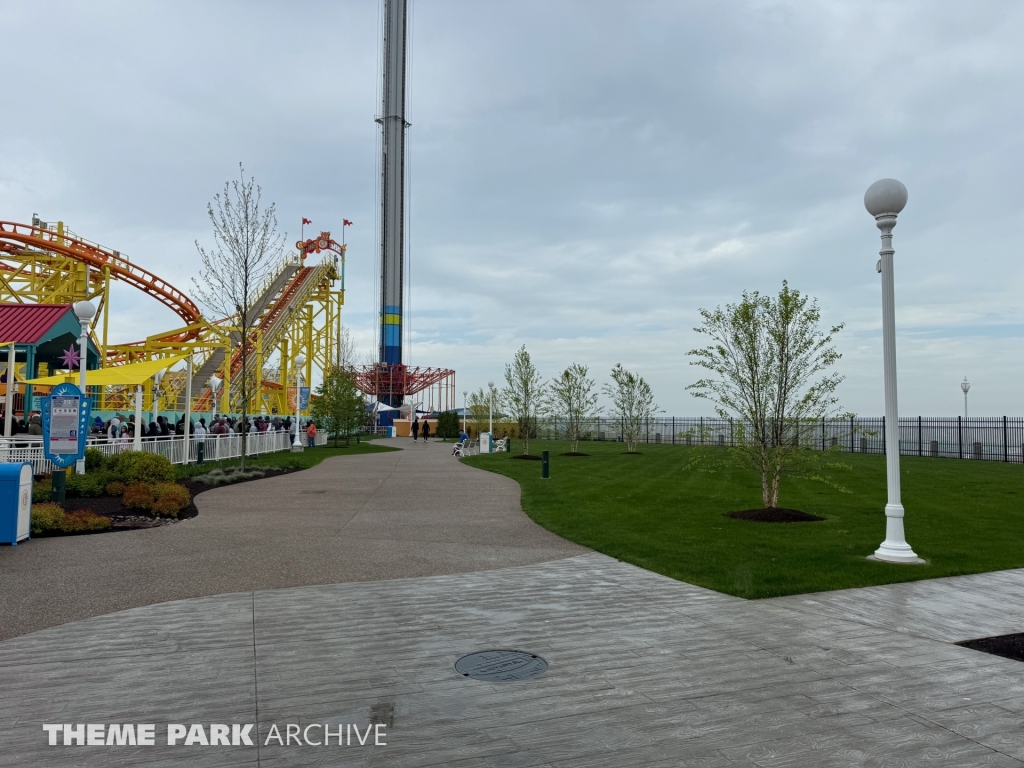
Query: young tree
765, 354
523, 394
479, 406
338, 407
246, 245
571, 399
346, 350
632, 404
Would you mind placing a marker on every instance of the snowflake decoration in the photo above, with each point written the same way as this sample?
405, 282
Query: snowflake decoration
70, 358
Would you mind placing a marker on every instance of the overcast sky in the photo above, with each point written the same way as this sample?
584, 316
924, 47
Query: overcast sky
584, 176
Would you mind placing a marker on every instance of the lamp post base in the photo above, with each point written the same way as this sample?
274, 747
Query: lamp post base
296, 447
895, 548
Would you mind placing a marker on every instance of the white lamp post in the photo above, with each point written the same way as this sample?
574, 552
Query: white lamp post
884, 200
490, 410
85, 312
214, 384
965, 385
464, 393
300, 360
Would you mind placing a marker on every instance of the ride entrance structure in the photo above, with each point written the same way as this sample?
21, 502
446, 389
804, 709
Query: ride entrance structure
298, 311
390, 381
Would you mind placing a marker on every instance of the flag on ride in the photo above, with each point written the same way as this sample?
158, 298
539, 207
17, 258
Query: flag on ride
306, 221
345, 223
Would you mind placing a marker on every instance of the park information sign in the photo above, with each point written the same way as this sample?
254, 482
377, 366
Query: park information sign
65, 425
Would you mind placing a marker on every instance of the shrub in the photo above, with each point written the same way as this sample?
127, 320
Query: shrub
82, 520
143, 467
115, 488
42, 490
138, 496
216, 477
171, 498
95, 459
89, 485
46, 517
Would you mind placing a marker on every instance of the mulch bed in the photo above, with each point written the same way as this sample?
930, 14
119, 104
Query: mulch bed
528, 457
1007, 646
124, 519
774, 515
574, 453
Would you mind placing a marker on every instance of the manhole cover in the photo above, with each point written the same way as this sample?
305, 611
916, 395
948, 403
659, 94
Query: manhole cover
501, 666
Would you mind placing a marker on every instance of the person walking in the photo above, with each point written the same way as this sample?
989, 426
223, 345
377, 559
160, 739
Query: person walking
415, 430
426, 430
311, 434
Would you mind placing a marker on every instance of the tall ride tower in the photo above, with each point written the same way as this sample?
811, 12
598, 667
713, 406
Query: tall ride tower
390, 381
392, 187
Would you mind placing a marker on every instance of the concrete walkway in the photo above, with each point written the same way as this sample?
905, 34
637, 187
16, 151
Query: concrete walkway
644, 671
418, 512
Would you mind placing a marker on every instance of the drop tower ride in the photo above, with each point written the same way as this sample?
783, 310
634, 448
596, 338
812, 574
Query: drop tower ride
390, 380
392, 184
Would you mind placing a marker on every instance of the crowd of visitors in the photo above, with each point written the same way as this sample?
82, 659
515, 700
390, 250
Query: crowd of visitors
20, 426
119, 429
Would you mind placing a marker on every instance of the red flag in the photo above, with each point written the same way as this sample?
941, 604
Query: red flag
306, 221
346, 223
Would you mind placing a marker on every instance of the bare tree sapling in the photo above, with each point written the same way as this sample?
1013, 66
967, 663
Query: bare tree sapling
246, 246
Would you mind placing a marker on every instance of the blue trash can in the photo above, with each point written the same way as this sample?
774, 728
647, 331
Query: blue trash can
15, 501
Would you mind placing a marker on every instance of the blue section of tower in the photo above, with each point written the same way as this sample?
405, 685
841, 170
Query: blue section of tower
391, 334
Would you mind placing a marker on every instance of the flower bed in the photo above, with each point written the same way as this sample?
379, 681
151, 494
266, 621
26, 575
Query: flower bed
127, 492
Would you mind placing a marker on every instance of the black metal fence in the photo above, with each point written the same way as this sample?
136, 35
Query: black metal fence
997, 438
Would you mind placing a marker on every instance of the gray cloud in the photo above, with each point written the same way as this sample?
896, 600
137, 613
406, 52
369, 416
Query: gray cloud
584, 175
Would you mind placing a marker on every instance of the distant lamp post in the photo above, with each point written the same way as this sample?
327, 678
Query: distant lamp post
214, 384
85, 312
464, 393
884, 200
965, 385
300, 360
490, 410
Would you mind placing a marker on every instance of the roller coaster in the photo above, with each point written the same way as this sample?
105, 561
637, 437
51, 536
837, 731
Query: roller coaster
298, 310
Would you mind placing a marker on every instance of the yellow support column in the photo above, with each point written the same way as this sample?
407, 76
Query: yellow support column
284, 370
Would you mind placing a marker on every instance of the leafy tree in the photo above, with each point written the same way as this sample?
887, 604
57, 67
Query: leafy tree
338, 407
523, 395
231, 273
571, 399
479, 406
766, 355
447, 425
632, 404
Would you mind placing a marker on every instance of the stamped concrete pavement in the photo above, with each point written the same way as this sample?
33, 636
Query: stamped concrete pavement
644, 671
415, 512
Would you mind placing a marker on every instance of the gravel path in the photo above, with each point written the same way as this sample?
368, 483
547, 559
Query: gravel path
418, 512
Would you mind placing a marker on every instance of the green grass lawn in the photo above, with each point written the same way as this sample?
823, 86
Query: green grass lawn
653, 511
310, 457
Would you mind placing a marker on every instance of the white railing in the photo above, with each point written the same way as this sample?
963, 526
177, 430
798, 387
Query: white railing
215, 447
